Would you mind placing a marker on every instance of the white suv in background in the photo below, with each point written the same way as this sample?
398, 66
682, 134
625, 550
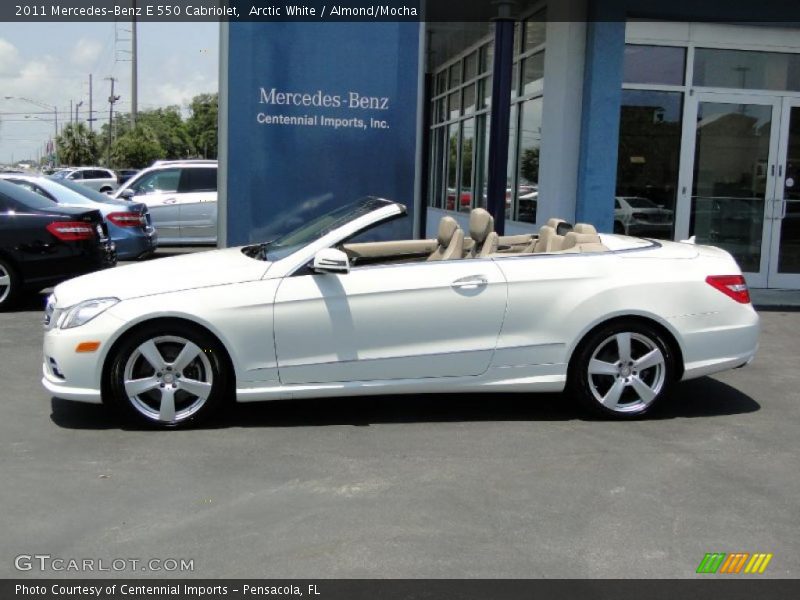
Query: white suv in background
98, 178
181, 197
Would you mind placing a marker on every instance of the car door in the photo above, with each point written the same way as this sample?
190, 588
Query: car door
159, 191
389, 322
197, 202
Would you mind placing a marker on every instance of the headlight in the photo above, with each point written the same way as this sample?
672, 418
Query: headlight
84, 312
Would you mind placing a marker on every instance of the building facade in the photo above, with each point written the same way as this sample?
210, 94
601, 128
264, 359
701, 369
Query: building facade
647, 121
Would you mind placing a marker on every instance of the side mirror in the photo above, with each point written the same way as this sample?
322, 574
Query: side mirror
331, 260
126, 194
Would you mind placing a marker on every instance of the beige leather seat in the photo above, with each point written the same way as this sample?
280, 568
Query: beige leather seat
481, 230
584, 228
449, 241
582, 242
549, 240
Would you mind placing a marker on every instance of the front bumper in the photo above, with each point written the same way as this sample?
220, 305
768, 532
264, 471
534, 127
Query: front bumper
74, 375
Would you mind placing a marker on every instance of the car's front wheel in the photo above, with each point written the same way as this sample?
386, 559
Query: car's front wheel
622, 369
168, 376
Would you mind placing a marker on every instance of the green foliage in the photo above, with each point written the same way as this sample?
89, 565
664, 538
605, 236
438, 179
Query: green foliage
162, 133
202, 124
529, 165
136, 148
77, 145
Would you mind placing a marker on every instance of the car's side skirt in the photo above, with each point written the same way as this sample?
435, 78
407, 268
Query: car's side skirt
540, 378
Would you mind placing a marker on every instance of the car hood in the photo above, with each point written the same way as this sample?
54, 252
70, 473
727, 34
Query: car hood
163, 275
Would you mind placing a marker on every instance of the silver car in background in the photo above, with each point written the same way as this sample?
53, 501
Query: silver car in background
181, 197
97, 178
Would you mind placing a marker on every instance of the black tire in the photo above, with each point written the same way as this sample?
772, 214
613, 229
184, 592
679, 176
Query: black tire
606, 344
106, 190
619, 228
10, 285
209, 369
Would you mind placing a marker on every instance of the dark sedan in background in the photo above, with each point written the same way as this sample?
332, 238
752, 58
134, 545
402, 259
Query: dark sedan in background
42, 244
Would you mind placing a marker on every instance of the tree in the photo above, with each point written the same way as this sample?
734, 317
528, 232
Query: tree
136, 148
202, 124
77, 145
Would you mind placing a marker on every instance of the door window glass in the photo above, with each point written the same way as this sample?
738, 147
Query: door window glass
199, 180
730, 178
164, 181
789, 250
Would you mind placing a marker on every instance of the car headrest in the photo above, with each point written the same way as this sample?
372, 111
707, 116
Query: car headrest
481, 224
554, 222
573, 239
447, 228
584, 228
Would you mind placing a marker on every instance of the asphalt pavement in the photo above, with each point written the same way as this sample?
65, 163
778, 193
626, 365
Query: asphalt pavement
417, 486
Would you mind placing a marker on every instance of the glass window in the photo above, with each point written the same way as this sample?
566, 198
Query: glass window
165, 180
454, 102
535, 31
485, 62
512, 159
487, 91
199, 180
530, 141
471, 66
436, 160
467, 145
533, 73
648, 161
746, 69
439, 112
515, 80
441, 83
455, 75
469, 99
452, 165
654, 64
730, 178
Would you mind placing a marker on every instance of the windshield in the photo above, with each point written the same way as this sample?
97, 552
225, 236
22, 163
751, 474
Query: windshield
322, 225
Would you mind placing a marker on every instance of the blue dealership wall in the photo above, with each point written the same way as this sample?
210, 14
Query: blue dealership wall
318, 115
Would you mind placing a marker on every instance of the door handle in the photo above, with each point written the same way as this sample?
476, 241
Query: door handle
471, 282
783, 209
170, 201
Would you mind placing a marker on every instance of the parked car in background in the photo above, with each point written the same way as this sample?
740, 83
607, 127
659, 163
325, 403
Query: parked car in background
128, 223
634, 215
42, 244
98, 178
181, 197
124, 175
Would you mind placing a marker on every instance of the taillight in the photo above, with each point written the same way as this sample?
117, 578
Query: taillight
733, 286
71, 231
127, 219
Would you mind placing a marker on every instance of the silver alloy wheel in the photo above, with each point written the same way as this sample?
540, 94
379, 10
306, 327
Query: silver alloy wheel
626, 372
168, 378
5, 283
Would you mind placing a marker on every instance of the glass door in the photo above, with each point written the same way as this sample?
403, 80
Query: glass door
784, 268
728, 176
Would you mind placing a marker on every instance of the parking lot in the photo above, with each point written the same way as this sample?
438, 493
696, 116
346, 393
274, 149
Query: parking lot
417, 486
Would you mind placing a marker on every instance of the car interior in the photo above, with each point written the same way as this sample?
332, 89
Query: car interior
556, 237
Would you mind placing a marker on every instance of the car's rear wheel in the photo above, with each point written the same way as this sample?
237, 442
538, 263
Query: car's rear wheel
622, 369
10, 285
168, 376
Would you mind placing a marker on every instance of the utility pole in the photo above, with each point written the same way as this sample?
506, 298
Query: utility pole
70, 112
134, 70
91, 118
77, 106
111, 100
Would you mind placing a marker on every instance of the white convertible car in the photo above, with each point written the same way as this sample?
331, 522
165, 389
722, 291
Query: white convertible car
614, 319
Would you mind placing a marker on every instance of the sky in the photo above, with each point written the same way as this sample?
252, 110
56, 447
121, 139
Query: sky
50, 63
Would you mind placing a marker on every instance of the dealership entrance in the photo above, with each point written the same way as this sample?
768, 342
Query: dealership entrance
741, 165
